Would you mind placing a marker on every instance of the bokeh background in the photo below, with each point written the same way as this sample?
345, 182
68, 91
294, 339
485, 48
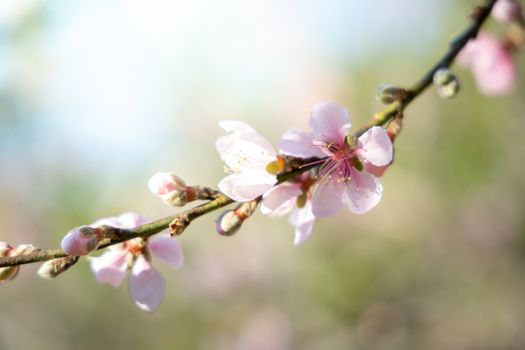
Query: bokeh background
98, 95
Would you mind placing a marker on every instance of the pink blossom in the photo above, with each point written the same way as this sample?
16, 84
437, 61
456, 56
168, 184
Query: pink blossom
247, 155
146, 284
506, 11
81, 241
491, 64
347, 174
170, 188
292, 198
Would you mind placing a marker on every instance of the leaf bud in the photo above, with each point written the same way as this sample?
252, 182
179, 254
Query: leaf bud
446, 83
53, 268
230, 221
388, 93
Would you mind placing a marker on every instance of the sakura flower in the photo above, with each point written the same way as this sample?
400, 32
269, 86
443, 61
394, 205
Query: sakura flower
146, 284
292, 198
347, 174
491, 64
247, 155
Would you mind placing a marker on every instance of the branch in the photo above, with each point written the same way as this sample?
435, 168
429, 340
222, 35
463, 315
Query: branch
116, 235
179, 222
479, 16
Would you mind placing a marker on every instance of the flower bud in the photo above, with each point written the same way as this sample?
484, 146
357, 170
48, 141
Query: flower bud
229, 222
387, 93
170, 188
446, 83
9, 272
81, 240
506, 11
55, 267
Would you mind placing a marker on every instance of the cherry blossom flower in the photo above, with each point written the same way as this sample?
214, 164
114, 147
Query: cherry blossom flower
247, 155
491, 64
347, 174
146, 284
292, 198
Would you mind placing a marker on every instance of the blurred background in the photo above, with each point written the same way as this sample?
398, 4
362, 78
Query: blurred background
98, 95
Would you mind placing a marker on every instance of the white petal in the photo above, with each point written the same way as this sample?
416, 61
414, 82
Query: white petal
245, 187
146, 285
375, 146
327, 198
111, 267
280, 199
299, 144
303, 220
235, 126
167, 248
362, 193
330, 120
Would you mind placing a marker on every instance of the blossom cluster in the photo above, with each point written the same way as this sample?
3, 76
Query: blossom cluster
490, 58
346, 175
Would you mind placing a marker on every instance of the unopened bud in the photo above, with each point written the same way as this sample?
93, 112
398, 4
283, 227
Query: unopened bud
170, 188
446, 83
9, 272
54, 267
81, 240
231, 220
507, 11
387, 93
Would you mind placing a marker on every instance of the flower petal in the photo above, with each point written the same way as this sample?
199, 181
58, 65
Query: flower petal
375, 147
303, 220
279, 200
111, 267
146, 285
330, 120
299, 144
377, 171
167, 248
235, 126
327, 198
246, 186
131, 220
362, 193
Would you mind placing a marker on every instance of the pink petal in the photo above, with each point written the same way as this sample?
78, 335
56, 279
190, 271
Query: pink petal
375, 147
245, 186
506, 11
303, 220
167, 248
491, 63
377, 171
327, 198
131, 220
280, 199
111, 267
330, 120
299, 144
163, 183
495, 74
146, 285
362, 193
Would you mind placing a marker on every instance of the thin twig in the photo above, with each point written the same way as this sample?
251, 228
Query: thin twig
183, 219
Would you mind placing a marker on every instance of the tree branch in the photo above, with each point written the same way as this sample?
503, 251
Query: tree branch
180, 221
